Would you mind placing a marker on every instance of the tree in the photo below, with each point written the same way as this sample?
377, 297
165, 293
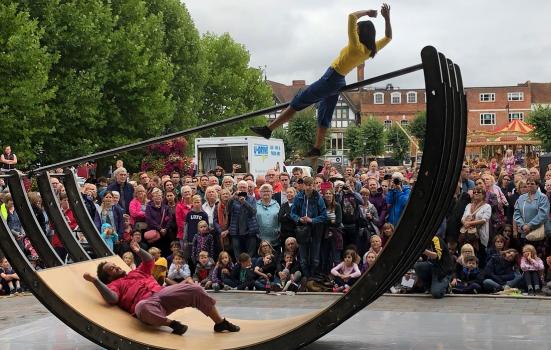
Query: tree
24, 91
399, 142
540, 119
79, 33
232, 87
182, 46
373, 134
418, 128
354, 141
365, 140
302, 130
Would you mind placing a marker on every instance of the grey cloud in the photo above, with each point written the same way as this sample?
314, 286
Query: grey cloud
496, 42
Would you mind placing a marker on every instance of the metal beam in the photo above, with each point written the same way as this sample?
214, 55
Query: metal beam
208, 126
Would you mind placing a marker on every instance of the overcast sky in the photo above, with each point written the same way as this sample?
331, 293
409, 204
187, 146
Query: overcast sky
495, 42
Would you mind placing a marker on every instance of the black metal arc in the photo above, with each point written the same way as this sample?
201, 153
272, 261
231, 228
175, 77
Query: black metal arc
61, 226
85, 222
32, 228
264, 111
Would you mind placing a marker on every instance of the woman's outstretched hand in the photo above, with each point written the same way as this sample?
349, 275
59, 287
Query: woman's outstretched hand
385, 11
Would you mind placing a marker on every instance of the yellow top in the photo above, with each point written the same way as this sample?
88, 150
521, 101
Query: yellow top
355, 53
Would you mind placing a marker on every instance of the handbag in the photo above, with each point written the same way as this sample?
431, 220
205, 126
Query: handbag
537, 234
152, 236
303, 234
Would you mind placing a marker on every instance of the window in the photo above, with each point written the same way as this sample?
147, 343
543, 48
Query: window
488, 97
341, 111
412, 97
345, 123
333, 124
378, 98
515, 96
425, 97
404, 122
388, 148
516, 116
487, 119
395, 98
336, 142
388, 123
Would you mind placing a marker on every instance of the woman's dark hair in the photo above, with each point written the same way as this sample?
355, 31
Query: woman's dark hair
366, 32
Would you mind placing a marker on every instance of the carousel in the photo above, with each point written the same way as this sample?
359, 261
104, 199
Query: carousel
517, 135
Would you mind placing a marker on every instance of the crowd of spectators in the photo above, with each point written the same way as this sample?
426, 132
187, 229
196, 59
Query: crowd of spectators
289, 232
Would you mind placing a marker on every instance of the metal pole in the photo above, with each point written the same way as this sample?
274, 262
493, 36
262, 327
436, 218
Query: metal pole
208, 126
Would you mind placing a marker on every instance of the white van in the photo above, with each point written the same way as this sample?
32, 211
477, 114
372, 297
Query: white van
252, 154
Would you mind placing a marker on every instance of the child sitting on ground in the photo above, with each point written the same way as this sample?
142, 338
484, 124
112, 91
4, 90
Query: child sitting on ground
128, 258
468, 280
109, 235
243, 273
265, 271
9, 279
202, 241
203, 270
496, 247
346, 273
179, 270
174, 248
532, 268
161, 265
369, 260
288, 273
221, 275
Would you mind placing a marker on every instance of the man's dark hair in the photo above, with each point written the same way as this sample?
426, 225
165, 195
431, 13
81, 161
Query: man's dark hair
366, 32
102, 274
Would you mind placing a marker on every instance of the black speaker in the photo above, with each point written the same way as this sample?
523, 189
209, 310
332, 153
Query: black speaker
545, 160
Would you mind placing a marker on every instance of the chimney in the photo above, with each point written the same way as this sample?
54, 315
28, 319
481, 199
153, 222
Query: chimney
299, 82
360, 72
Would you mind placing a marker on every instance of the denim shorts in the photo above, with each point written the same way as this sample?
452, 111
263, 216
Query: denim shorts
325, 92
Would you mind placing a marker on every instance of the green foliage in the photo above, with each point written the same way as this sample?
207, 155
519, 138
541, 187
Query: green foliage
231, 86
81, 76
365, 140
373, 134
418, 128
301, 131
182, 45
24, 91
399, 142
540, 119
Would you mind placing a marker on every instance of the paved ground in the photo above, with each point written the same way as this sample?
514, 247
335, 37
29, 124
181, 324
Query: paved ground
24, 309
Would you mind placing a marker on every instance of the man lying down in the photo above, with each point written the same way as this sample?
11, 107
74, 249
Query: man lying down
138, 293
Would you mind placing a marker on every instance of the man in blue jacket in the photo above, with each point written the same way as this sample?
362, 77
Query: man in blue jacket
309, 210
122, 186
397, 198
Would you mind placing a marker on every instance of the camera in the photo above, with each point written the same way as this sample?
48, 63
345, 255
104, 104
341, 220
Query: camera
396, 181
346, 188
242, 194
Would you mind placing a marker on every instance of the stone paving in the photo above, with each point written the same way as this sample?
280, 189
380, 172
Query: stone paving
23, 309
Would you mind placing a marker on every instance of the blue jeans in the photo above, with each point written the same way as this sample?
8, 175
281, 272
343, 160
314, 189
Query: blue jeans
326, 92
493, 286
310, 254
426, 272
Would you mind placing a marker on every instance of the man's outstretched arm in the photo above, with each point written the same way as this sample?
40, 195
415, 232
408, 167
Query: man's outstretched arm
107, 294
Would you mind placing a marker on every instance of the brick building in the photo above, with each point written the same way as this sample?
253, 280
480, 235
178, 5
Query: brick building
490, 108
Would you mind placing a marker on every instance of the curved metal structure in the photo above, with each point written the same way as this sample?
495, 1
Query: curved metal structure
80, 306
